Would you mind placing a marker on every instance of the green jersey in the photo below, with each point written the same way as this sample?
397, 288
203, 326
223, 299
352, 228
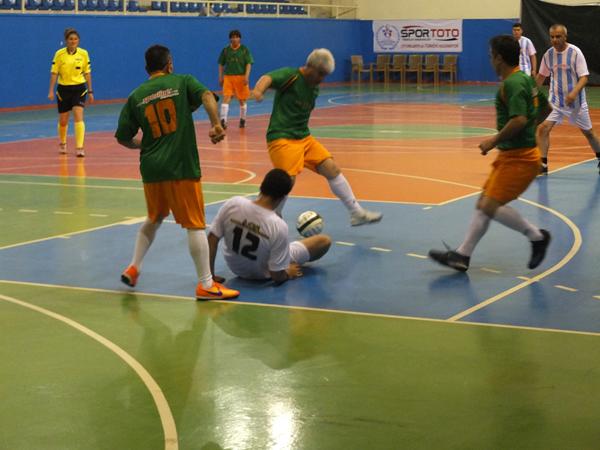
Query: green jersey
162, 107
235, 61
518, 96
294, 101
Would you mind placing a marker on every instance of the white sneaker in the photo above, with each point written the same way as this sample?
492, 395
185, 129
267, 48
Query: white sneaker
80, 153
364, 216
62, 149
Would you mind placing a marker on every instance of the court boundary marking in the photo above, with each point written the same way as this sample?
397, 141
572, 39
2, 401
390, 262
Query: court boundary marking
164, 411
164, 297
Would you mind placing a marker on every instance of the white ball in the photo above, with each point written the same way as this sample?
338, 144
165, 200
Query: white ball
309, 223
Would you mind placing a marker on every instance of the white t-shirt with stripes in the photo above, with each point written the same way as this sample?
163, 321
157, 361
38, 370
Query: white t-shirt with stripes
565, 69
527, 49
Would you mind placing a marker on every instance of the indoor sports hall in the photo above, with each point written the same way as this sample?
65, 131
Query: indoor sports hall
375, 346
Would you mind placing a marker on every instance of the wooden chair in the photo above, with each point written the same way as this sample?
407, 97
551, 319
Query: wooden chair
381, 65
431, 65
449, 66
415, 64
359, 68
398, 66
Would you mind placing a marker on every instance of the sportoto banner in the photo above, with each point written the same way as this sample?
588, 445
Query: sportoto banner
417, 36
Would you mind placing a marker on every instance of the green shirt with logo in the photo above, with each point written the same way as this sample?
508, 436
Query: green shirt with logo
162, 107
293, 104
235, 61
518, 96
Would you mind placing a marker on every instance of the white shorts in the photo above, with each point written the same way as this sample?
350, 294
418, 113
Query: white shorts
579, 117
299, 253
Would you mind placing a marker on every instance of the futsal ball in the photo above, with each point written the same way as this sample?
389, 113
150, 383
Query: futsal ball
309, 223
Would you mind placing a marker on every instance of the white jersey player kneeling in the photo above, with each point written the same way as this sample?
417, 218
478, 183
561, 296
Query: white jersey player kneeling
256, 239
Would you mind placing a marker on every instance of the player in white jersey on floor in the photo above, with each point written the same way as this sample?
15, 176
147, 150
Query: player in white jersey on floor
527, 57
568, 71
256, 239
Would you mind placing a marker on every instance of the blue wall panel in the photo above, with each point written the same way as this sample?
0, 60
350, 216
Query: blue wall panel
117, 44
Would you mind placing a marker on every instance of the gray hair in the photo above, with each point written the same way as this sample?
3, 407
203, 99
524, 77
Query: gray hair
321, 59
559, 25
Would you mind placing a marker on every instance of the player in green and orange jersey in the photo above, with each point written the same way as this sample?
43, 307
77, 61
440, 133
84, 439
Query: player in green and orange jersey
162, 107
235, 62
291, 146
520, 108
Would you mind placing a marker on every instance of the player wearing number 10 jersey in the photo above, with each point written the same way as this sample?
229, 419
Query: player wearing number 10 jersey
256, 238
162, 107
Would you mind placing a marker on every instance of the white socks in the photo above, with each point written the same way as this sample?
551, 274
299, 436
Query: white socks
506, 216
243, 111
341, 188
512, 219
478, 227
143, 241
198, 245
224, 111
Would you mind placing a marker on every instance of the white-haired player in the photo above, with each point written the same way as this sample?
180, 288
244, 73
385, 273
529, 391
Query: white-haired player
291, 146
568, 71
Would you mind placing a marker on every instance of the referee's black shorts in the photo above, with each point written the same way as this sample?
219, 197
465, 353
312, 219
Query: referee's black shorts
69, 96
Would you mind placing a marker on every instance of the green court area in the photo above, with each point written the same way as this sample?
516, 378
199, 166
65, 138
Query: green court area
241, 376
34, 206
399, 131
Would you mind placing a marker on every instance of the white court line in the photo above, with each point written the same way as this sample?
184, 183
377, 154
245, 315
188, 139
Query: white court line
347, 244
164, 411
565, 288
485, 269
307, 308
416, 255
380, 249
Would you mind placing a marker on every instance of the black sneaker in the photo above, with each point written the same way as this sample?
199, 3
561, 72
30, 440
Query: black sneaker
242, 123
451, 259
544, 169
223, 124
538, 250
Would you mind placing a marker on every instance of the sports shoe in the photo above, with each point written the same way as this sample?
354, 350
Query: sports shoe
538, 250
450, 258
62, 148
364, 216
130, 276
599, 167
80, 153
216, 292
223, 124
544, 169
242, 123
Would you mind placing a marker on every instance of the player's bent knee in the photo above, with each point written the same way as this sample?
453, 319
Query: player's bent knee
317, 246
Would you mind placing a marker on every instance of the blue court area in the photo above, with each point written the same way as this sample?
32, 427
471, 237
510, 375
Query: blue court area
377, 268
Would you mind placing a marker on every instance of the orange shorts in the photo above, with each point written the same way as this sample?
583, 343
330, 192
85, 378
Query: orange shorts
292, 155
183, 197
512, 172
236, 86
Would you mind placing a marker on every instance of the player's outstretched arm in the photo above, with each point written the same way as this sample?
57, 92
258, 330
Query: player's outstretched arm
216, 133
261, 87
213, 246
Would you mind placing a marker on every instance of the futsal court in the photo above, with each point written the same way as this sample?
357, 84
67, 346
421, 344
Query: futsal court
373, 348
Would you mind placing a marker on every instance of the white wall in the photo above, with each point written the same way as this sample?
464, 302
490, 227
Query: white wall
445, 9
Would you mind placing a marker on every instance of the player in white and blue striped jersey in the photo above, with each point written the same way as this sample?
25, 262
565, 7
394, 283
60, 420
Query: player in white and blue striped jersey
568, 71
527, 57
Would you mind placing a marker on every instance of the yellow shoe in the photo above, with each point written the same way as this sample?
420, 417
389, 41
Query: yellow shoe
216, 292
130, 276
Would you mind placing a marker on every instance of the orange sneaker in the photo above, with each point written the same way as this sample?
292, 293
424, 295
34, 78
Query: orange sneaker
130, 276
216, 292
